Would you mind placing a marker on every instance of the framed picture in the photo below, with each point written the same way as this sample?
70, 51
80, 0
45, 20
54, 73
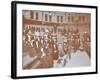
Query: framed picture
50, 39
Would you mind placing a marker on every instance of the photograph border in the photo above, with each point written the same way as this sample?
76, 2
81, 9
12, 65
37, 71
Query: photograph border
14, 38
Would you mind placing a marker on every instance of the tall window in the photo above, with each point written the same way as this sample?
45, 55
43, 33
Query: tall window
37, 16
83, 18
80, 18
32, 14
72, 18
68, 18
61, 18
57, 18
46, 17
50, 18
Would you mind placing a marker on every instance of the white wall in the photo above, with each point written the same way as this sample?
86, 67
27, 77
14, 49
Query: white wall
5, 40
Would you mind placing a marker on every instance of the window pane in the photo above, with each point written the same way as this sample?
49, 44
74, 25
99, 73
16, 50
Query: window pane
50, 18
46, 17
57, 18
37, 16
61, 18
32, 14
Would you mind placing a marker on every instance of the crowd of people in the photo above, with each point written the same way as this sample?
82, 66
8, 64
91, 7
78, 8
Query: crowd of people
51, 44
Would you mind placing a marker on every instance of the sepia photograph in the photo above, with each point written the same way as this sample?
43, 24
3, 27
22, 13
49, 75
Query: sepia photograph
56, 39
53, 39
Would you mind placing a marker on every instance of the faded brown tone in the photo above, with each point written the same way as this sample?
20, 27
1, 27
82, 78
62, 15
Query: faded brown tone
49, 37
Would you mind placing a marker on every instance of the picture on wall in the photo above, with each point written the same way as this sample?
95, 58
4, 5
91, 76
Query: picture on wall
53, 39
